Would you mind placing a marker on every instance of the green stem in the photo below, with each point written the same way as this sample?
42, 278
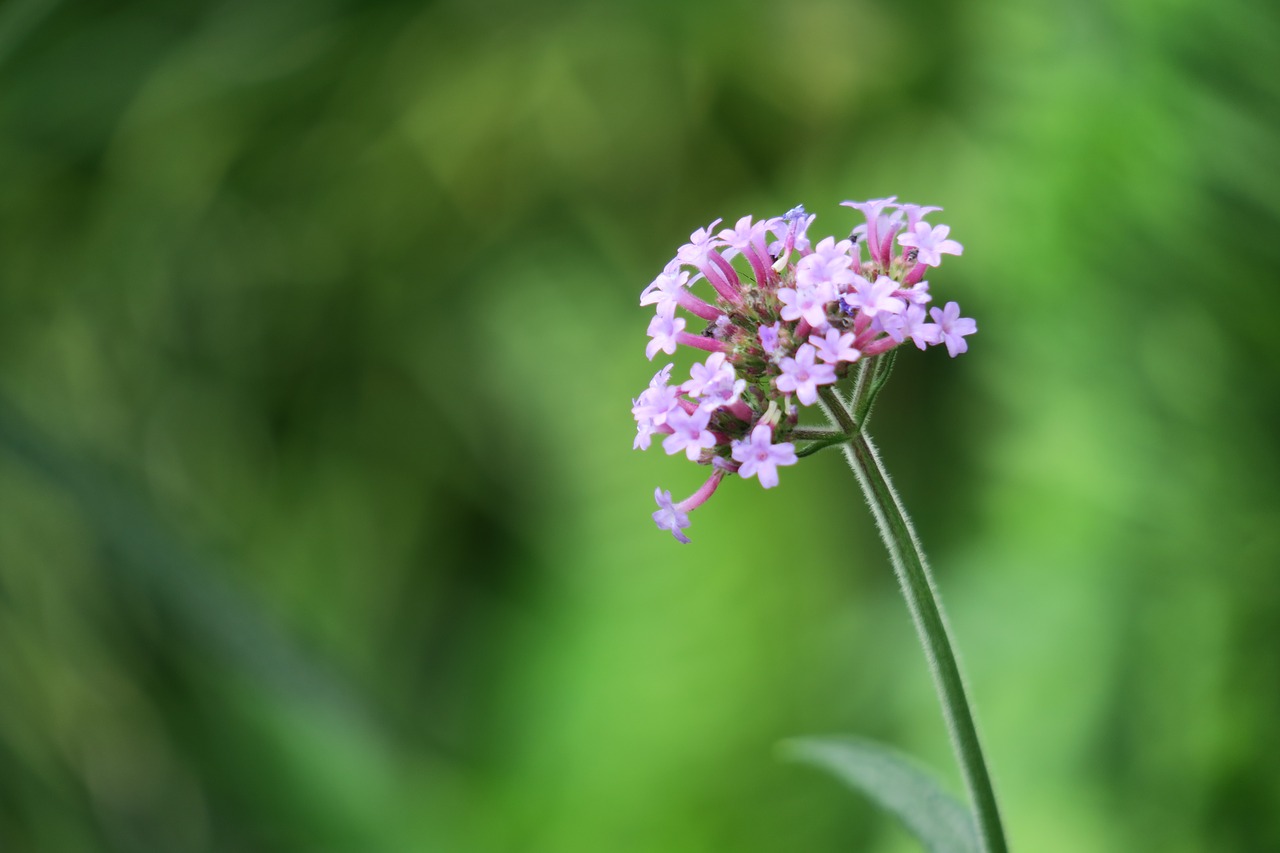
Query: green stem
820, 438
802, 433
864, 395
810, 449
918, 588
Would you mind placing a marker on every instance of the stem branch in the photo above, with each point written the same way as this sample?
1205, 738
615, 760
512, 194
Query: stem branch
801, 433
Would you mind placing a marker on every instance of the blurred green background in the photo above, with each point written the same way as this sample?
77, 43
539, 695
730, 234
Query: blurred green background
320, 529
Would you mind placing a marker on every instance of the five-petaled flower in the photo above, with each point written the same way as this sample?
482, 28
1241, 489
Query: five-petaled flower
759, 457
802, 377
930, 243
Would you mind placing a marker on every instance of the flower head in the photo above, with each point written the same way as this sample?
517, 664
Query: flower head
779, 316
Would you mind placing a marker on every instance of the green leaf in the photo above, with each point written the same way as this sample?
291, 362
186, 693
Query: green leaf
896, 784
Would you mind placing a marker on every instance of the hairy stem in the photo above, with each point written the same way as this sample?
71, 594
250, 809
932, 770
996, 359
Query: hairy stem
810, 449
918, 588
801, 433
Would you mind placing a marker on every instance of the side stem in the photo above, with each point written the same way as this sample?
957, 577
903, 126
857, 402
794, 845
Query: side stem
918, 588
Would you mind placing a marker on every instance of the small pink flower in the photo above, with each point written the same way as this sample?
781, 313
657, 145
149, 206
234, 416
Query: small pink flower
911, 324
809, 303
675, 516
801, 376
827, 266
872, 299
669, 517
664, 329
653, 405
702, 243
760, 457
689, 433
953, 328
835, 347
930, 243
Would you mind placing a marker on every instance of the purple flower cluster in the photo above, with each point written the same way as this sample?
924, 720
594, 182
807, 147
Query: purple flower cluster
786, 317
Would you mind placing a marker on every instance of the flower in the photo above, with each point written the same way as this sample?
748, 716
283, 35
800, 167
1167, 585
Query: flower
930, 243
916, 212
769, 337
802, 376
791, 230
688, 433
748, 239
911, 324
665, 287
878, 226
871, 299
760, 457
777, 316
653, 405
675, 516
714, 384
828, 265
917, 294
702, 244
807, 302
835, 347
953, 328
669, 517
664, 328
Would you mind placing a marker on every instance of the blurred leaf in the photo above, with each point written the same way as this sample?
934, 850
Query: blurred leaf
896, 784
18, 19
152, 558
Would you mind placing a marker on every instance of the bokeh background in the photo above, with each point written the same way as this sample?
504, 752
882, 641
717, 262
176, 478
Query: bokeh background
320, 529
